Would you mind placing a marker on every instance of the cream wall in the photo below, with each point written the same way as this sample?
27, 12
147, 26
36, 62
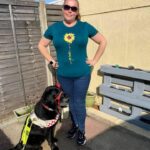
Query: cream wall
126, 26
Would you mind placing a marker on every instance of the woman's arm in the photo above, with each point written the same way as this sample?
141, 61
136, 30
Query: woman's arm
101, 41
42, 46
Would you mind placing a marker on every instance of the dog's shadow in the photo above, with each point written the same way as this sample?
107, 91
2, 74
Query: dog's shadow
61, 130
5, 142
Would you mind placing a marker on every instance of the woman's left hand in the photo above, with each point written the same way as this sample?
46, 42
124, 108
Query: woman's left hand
90, 62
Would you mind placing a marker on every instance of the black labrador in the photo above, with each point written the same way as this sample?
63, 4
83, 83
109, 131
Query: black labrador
41, 123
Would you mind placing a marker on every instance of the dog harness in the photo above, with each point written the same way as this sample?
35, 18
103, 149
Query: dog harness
43, 123
33, 119
26, 131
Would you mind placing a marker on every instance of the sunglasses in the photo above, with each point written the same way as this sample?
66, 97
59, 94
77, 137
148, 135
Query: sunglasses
73, 8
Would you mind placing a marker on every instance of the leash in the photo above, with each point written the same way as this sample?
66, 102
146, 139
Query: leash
53, 71
57, 98
56, 84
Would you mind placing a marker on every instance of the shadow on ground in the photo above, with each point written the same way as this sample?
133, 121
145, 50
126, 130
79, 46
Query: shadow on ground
101, 135
103, 138
5, 142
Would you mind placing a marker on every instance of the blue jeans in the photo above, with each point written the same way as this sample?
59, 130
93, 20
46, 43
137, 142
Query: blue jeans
76, 88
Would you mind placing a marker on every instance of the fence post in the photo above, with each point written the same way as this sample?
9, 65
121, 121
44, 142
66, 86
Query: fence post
43, 23
17, 53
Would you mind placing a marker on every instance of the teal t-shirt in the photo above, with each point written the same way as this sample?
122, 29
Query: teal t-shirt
71, 44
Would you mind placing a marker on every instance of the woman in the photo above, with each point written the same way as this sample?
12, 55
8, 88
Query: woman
70, 38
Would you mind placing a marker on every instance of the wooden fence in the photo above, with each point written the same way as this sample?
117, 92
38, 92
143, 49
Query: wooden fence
22, 68
54, 14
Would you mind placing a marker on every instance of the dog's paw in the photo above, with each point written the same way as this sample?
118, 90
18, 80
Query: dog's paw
54, 146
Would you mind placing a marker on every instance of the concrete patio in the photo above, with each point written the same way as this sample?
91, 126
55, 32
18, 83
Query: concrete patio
103, 132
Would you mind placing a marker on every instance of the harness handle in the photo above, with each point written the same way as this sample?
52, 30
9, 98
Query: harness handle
26, 131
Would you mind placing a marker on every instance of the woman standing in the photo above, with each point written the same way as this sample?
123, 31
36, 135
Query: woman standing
70, 38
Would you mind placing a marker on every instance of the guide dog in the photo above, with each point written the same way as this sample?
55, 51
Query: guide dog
40, 124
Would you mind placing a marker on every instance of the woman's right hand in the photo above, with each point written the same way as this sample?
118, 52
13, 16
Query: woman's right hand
43, 49
54, 63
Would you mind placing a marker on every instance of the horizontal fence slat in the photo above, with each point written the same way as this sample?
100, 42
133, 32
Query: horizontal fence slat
7, 65
25, 10
6, 39
4, 9
54, 12
55, 7
50, 22
10, 86
54, 18
31, 17
9, 79
4, 16
6, 32
3, 57
5, 24
18, 2
12, 70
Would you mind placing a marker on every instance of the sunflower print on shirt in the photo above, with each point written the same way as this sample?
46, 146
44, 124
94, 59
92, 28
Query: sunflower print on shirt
69, 38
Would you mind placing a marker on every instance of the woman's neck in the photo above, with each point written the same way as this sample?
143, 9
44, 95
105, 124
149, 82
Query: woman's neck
70, 24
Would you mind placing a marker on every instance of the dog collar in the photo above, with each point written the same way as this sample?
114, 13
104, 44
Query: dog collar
46, 107
43, 123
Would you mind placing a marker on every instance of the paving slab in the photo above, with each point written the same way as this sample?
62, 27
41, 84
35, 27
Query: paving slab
101, 134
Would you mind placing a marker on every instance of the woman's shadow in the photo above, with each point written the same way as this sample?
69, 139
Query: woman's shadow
65, 143
5, 142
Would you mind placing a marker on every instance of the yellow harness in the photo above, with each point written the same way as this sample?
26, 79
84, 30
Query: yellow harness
26, 131
32, 119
